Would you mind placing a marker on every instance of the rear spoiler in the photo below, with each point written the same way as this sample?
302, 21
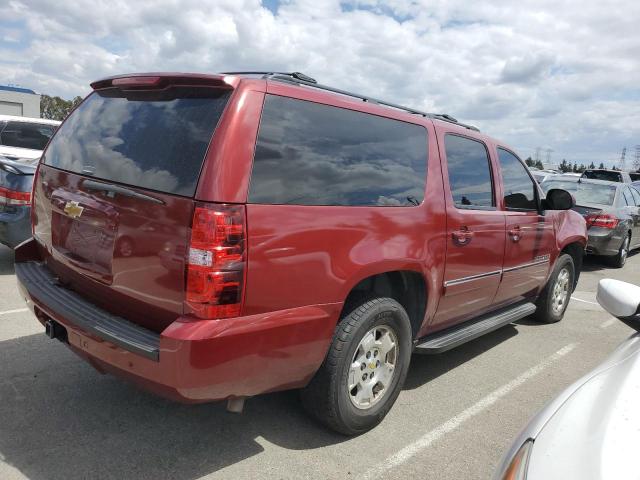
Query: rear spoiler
147, 81
24, 167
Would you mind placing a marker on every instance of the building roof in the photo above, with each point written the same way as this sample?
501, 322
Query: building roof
7, 88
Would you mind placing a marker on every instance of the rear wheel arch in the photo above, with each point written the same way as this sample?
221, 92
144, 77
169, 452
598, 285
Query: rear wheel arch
408, 287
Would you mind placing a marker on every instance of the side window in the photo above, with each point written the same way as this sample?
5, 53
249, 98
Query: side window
628, 198
313, 154
519, 189
469, 172
636, 196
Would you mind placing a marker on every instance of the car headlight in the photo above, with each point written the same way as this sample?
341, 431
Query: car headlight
517, 469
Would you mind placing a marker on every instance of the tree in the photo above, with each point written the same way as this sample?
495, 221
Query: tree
601, 166
574, 169
592, 165
56, 108
539, 165
564, 166
529, 162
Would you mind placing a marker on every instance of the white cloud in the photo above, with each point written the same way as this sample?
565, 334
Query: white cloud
534, 73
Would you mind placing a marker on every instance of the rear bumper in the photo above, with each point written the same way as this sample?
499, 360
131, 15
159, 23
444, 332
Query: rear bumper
15, 228
603, 241
194, 360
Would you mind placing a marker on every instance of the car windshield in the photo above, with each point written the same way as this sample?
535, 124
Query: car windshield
584, 192
602, 175
26, 135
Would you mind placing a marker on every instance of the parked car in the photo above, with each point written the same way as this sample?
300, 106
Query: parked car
604, 174
590, 430
319, 238
541, 175
612, 212
635, 177
24, 137
16, 178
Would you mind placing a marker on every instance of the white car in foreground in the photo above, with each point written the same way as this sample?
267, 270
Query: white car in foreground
24, 137
592, 430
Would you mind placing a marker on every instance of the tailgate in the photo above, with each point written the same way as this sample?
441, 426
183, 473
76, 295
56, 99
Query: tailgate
113, 199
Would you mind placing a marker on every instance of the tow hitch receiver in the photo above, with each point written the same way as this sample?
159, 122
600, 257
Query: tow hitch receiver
54, 330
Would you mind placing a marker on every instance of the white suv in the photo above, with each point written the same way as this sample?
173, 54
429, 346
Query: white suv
24, 137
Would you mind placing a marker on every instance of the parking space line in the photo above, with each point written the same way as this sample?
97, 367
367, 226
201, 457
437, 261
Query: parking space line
584, 301
17, 310
428, 438
608, 323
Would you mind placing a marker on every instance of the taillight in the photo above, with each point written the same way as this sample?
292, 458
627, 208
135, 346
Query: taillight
604, 220
14, 198
216, 261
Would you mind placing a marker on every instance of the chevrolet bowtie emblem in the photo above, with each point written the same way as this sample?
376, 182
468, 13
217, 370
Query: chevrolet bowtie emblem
73, 209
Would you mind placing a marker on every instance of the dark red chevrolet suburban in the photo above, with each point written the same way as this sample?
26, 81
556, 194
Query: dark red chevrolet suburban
215, 237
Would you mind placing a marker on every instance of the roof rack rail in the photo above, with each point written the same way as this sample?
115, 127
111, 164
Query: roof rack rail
302, 79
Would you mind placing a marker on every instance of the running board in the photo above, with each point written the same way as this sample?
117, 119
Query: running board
457, 335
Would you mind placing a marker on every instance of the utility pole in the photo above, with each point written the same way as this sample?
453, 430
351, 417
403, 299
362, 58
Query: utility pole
549, 151
538, 154
636, 162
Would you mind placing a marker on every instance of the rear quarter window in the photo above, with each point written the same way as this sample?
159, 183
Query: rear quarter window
156, 140
313, 154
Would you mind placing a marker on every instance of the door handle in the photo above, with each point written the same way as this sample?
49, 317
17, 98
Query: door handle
515, 233
462, 236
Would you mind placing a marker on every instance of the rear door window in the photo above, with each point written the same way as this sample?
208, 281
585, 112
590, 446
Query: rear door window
313, 154
156, 140
26, 135
469, 172
636, 196
519, 189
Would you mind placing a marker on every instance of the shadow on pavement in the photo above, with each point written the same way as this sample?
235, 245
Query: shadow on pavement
425, 368
6, 261
60, 419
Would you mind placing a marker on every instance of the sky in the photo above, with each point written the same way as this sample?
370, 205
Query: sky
561, 76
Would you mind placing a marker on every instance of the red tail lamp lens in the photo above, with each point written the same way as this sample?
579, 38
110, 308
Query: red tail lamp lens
14, 198
216, 261
604, 221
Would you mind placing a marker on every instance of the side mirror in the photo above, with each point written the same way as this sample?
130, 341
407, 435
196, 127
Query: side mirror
620, 299
558, 199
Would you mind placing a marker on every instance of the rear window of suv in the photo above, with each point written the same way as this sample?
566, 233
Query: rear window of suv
602, 175
156, 140
25, 134
313, 154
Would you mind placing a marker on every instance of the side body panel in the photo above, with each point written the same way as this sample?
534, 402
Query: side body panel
305, 255
530, 248
472, 272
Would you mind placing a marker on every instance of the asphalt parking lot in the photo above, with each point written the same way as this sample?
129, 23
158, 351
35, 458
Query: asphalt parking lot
60, 419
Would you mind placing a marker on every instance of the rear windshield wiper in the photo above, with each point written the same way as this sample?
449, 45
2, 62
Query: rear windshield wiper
113, 190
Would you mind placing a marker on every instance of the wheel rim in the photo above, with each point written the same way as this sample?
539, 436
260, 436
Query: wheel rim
373, 367
624, 250
561, 291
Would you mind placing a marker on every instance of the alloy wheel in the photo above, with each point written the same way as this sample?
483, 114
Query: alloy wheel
373, 367
560, 293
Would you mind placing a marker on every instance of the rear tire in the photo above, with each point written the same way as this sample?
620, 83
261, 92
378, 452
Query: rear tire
364, 370
554, 298
620, 259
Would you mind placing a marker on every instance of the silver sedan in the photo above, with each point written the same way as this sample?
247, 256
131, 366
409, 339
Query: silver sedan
592, 430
